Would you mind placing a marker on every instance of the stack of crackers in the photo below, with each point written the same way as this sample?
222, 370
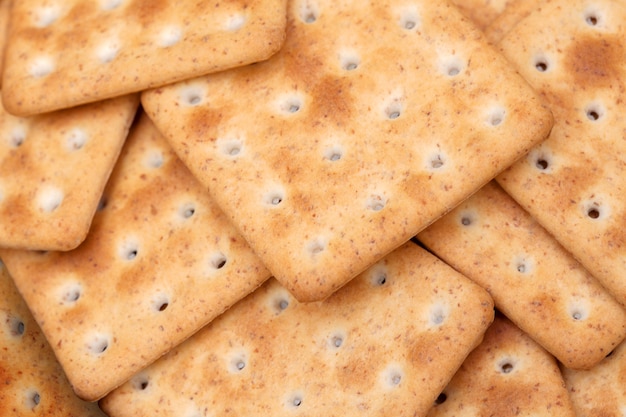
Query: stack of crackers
310, 207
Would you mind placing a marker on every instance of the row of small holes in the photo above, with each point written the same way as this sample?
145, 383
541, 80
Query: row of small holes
525, 265
17, 328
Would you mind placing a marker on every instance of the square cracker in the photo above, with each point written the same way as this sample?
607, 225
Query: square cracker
62, 53
340, 148
33, 383
508, 374
385, 344
600, 391
532, 279
574, 183
160, 262
53, 169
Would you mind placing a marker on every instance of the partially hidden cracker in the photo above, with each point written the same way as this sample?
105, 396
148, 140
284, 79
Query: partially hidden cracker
33, 383
532, 279
337, 150
53, 170
64, 53
483, 12
508, 374
515, 12
5, 8
385, 344
600, 391
160, 262
574, 183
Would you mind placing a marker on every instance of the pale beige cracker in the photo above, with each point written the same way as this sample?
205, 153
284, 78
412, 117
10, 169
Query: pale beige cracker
62, 53
33, 383
600, 391
53, 169
532, 279
160, 262
574, 184
508, 374
385, 344
340, 148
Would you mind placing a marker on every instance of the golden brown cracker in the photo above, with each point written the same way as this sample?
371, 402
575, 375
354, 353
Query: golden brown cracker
340, 148
160, 262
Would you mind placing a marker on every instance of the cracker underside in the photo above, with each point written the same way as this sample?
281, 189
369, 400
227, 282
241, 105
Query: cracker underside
533, 280
574, 183
385, 344
67, 53
160, 262
508, 374
33, 382
339, 149
53, 170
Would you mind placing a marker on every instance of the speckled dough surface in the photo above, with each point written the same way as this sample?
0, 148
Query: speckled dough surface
574, 183
531, 278
600, 391
69, 52
53, 169
33, 383
160, 261
385, 344
507, 375
339, 149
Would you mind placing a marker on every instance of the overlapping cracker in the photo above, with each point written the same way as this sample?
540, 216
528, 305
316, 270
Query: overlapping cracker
340, 148
574, 183
483, 12
33, 383
64, 53
385, 344
600, 391
160, 261
533, 280
508, 374
53, 170
515, 12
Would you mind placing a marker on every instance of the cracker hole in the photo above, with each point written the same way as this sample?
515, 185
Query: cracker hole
333, 153
541, 66
98, 344
17, 137
41, 66
238, 362
309, 12
467, 218
376, 202
295, 400
70, 293
140, 383
349, 60
496, 116
451, 66
291, 105
169, 36
218, 260
441, 398
274, 198
523, 264
76, 139
578, 312
393, 111
155, 159
187, 211
594, 112
506, 366
129, 250
49, 199
336, 341
594, 210
191, 96
33, 399
160, 303
541, 159
316, 247
393, 376
235, 22
438, 315
437, 161
16, 327
409, 18
230, 147
593, 17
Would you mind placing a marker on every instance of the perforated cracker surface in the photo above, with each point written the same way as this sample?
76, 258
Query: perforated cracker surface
340, 148
508, 374
385, 344
64, 53
160, 261
33, 383
574, 183
53, 170
532, 279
